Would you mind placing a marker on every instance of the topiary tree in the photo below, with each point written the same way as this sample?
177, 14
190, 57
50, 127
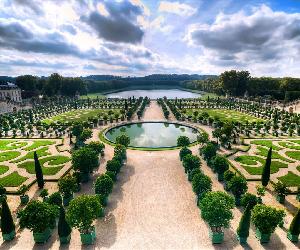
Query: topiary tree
227, 177
294, 229
113, 165
38, 171
249, 200
260, 191
103, 185
201, 185
67, 185
220, 165
193, 172
244, 225
183, 152
97, 146
123, 140
281, 191
183, 141
266, 219
238, 186
203, 138
64, 229
216, 211
208, 151
191, 162
265, 177
120, 150
7, 222
55, 199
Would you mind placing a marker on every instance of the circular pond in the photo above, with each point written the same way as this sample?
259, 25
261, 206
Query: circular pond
152, 134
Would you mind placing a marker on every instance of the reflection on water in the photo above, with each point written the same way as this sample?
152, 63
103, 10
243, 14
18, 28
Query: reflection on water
153, 134
154, 94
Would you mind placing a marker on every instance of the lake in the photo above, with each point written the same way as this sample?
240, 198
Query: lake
154, 93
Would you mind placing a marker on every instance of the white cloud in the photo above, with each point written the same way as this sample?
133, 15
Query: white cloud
177, 8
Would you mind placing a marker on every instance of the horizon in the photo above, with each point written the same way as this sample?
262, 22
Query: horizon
142, 37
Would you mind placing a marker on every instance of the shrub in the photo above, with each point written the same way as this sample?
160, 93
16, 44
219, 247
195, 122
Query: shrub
112, 175
193, 172
183, 152
294, 228
123, 140
219, 164
103, 185
84, 160
44, 193
55, 199
96, 146
228, 175
238, 185
67, 185
82, 212
113, 165
120, 150
201, 184
280, 188
7, 222
38, 216
190, 162
64, 228
244, 225
38, 171
266, 218
216, 210
183, 141
208, 151
267, 169
249, 199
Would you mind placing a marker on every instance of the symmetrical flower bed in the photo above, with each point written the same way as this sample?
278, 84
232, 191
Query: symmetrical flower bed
17, 165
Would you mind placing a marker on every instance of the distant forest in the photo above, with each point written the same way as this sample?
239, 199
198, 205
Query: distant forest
233, 83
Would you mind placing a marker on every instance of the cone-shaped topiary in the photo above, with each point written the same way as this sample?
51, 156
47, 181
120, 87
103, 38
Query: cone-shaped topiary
267, 169
38, 171
64, 228
7, 222
295, 224
244, 226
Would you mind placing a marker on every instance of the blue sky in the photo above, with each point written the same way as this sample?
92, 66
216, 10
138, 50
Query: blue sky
140, 37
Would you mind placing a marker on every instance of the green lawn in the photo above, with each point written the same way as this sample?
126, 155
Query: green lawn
29, 156
56, 161
275, 155
249, 159
11, 144
79, 115
3, 169
12, 180
225, 114
298, 168
266, 143
93, 96
293, 154
39, 143
289, 145
9, 155
290, 179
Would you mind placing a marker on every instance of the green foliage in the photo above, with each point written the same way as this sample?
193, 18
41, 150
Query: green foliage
280, 188
295, 224
7, 222
183, 152
228, 175
96, 146
38, 171
9, 155
84, 160
113, 165
191, 162
64, 228
249, 200
12, 180
203, 138
266, 218
208, 151
84, 135
244, 225
219, 164
120, 150
37, 216
103, 185
82, 212
67, 185
44, 193
201, 184
290, 179
123, 140
266, 170
193, 172
183, 141
55, 199
216, 209
238, 185
22, 189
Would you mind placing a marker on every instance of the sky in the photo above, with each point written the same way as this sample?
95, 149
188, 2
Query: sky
141, 37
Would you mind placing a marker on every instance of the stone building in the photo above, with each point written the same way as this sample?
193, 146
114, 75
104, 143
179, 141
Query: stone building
10, 98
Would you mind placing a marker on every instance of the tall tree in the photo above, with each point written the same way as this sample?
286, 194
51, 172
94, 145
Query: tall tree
38, 171
265, 178
7, 222
244, 225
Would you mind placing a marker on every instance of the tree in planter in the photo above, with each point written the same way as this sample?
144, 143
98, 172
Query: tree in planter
113, 165
55, 199
23, 197
190, 162
183, 152
67, 186
7, 222
84, 160
238, 186
203, 138
64, 229
44, 194
38, 171
244, 225
208, 151
103, 185
183, 141
220, 165
249, 200
260, 191
281, 191
266, 219
216, 211
294, 229
265, 177
82, 212
97, 147
120, 150
123, 140
227, 177
39, 217
193, 172
201, 184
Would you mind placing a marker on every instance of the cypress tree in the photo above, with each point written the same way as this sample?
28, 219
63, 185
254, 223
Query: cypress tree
267, 169
244, 225
38, 171
64, 228
295, 224
7, 222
